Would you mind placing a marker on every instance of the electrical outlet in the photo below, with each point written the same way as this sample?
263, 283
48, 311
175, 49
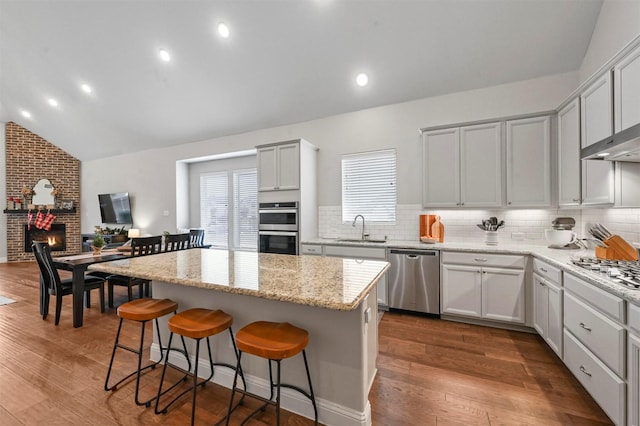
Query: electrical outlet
165, 213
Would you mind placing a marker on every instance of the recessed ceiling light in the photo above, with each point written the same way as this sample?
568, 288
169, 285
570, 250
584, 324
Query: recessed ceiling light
53, 102
86, 88
25, 113
164, 55
603, 154
223, 30
362, 79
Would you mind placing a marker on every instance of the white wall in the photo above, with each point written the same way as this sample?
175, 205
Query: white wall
150, 176
618, 24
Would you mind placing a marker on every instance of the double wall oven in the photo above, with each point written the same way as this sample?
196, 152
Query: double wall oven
278, 230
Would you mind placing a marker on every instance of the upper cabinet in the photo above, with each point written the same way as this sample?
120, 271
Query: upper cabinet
529, 162
596, 111
462, 166
626, 91
569, 154
279, 167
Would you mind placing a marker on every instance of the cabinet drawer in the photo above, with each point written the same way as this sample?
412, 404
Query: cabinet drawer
634, 318
311, 249
483, 259
356, 252
607, 303
547, 271
602, 336
604, 386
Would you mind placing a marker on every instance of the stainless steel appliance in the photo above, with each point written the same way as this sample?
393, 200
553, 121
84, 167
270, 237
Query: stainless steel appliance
622, 272
278, 228
278, 216
622, 146
414, 280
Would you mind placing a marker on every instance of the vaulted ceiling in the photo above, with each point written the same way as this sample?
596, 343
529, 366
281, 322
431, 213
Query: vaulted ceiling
285, 61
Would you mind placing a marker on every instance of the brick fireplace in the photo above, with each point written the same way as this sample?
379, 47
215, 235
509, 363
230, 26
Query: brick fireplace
29, 159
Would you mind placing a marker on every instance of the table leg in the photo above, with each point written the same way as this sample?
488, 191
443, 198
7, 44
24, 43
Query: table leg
77, 287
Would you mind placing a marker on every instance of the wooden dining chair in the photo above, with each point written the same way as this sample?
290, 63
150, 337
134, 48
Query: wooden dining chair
53, 285
141, 246
173, 242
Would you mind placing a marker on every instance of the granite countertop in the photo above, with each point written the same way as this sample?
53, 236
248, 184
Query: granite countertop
556, 257
325, 282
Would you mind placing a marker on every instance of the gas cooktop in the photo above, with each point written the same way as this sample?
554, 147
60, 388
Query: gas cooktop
623, 272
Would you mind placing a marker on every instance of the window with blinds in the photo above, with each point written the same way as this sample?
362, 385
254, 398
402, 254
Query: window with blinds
369, 186
214, 208
245, 208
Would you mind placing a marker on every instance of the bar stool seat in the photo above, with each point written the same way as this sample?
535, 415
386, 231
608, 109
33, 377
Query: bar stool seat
275, 342
142, 311
197, 324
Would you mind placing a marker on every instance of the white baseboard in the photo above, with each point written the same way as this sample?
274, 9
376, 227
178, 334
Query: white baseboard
329, 413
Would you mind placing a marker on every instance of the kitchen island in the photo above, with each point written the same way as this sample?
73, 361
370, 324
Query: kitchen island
333, 299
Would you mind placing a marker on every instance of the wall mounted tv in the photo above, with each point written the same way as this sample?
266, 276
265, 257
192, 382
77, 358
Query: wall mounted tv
115, 208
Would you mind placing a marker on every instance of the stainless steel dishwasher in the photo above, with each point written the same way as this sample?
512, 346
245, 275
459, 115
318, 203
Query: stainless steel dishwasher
414, 280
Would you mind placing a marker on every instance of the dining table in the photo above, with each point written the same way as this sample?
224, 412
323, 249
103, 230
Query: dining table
78, 265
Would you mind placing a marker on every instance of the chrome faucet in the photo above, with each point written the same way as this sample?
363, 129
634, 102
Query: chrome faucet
354, 224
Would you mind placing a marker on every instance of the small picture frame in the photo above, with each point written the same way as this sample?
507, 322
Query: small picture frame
66, 204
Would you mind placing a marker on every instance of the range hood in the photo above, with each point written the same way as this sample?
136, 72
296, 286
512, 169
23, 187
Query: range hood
623, 146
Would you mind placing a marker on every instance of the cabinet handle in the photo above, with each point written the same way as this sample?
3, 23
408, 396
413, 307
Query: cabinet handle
584, 370
584, 326
509, 203
462, 204
576, 200
480, 259
541, 283
543, 270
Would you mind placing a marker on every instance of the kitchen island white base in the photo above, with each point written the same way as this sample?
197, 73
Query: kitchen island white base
342, 350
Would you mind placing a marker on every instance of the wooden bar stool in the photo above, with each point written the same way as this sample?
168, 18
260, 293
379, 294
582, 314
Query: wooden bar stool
275, 342
142, 311
197, 324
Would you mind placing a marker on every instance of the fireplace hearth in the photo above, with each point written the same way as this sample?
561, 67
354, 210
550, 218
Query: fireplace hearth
56, 237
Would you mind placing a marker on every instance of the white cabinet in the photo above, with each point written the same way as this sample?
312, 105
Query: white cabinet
633, 369
529, 162
596, 111
595, 342
279, 167
462, 166
374, 253
487, 286
597, 182
569, 154
547, 304
626, 91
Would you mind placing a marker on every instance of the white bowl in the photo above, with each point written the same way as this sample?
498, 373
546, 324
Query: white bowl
559, 237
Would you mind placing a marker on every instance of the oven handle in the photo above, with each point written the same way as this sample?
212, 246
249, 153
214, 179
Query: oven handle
281, 233
278, 211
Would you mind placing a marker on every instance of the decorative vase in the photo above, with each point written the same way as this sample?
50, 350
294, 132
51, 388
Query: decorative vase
97, 250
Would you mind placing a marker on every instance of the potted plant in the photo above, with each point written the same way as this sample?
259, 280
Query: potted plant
97, 243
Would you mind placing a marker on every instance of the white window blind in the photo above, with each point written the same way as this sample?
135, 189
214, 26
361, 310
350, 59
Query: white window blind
245, 207
214, 208
369, 186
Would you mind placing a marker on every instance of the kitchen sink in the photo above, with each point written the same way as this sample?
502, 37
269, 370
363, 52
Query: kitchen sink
360, 241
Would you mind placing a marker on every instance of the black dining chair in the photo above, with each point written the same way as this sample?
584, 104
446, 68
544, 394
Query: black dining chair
141, 246
173, 242
52, 285
197, 237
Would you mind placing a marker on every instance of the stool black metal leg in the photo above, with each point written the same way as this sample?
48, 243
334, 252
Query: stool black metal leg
233, 387
195, 380
278, 393
113, 355
311, 394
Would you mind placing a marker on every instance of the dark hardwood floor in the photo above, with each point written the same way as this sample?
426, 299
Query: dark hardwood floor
431, 372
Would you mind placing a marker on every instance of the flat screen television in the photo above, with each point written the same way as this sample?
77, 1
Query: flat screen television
115, 208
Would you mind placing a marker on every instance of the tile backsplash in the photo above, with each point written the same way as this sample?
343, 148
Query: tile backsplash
521, 226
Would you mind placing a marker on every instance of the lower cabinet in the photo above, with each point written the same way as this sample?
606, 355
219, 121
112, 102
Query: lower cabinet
594, 344
633, 369
494, 292
375, 253
547, 313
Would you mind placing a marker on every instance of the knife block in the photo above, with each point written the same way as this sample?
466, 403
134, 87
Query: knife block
617, 249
